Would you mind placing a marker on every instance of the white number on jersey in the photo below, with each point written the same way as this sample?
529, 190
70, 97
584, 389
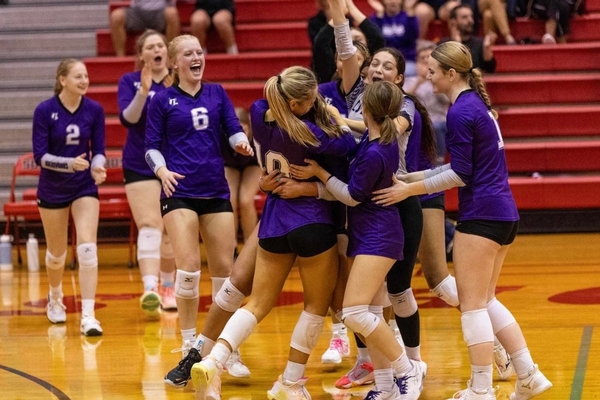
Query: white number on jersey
200, 118
73, 135
273, 161
500, 140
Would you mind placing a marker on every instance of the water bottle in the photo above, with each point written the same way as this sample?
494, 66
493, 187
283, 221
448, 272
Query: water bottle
6, 253
33, 258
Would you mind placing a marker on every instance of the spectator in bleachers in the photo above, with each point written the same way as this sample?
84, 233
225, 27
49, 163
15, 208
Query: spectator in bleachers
154, 252
183, 132
461, 25
436, 104
159, 15
242, 173
495, 19
319, 20
557, 14
430, 10
217, 13
365, 31
400, 28
66, 129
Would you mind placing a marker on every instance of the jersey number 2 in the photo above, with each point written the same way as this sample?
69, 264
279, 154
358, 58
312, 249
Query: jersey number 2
73, 135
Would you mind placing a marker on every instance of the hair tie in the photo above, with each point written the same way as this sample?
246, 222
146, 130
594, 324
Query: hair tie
471, 70
279, 79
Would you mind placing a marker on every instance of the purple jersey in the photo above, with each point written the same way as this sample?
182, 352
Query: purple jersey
477, 156
187, 130
400, 32
276, 150
133, 151
373, 229
333, 95
59, 132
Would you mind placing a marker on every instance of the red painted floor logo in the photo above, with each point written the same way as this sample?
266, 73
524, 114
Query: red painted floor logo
581, 296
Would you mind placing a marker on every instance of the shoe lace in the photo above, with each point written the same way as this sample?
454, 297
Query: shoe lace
373, 394
54, 303
402, 383
336, 344
186, 363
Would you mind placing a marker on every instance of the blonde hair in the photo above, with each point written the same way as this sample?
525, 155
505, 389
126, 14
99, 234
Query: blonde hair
383, 101
455, 55
297, 83
63, 70
139, 46
172, 54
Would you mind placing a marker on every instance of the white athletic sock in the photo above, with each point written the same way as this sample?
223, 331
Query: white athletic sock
293, 371
87, 307
150, 282
481, 377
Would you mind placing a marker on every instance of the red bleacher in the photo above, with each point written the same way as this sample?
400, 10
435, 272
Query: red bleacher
547, 96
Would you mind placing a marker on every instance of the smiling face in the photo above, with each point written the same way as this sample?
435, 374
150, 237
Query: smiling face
76, 81
154, 52
189, 61
384, 67
440, 79
392, 7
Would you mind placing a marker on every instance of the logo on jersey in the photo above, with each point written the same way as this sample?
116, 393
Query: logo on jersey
173, 102
54, 116
151, 93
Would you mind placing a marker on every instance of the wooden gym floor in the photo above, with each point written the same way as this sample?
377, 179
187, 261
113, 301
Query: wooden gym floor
550, 282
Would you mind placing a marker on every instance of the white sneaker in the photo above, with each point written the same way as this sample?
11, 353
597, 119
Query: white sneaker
548, 39
503, 363
471, 394
203, 374
56, 310
235, 367
533, 385
411, 383
286, 390
213, 391
338, 348
90, 326
150, 303
167, 298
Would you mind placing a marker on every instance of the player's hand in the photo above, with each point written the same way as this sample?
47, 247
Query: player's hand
80, 163
269, 182
169, 180
99, 175
244, 148
305, 171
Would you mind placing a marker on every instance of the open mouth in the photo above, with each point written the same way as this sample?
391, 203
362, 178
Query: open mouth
195, 68
376, 79
157, 59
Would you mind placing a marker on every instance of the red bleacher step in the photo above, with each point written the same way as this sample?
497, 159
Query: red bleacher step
219, 67
249, 37
550, 120
554, 156
545, 193
543, 58
543, 88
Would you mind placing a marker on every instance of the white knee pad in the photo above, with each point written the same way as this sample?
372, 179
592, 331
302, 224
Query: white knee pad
360, 320
499, 315
229, 298
186, 284
53, 262
477, 327
307, 331
87, 254
148, 243
238, 328
446, 290
217, 284
166, 250
404, 303
377, 310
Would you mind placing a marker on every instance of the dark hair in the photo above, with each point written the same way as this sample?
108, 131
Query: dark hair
382, 101
428, 142
400, 61
454, 11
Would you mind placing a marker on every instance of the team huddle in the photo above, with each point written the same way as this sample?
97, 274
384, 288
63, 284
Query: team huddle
354, 192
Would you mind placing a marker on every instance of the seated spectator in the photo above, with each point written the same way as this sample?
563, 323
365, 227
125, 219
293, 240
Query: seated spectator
460, 25
557, 14
364, 31
159, 15
430, 10
495, 19
400, 28
436, 104
217, 13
